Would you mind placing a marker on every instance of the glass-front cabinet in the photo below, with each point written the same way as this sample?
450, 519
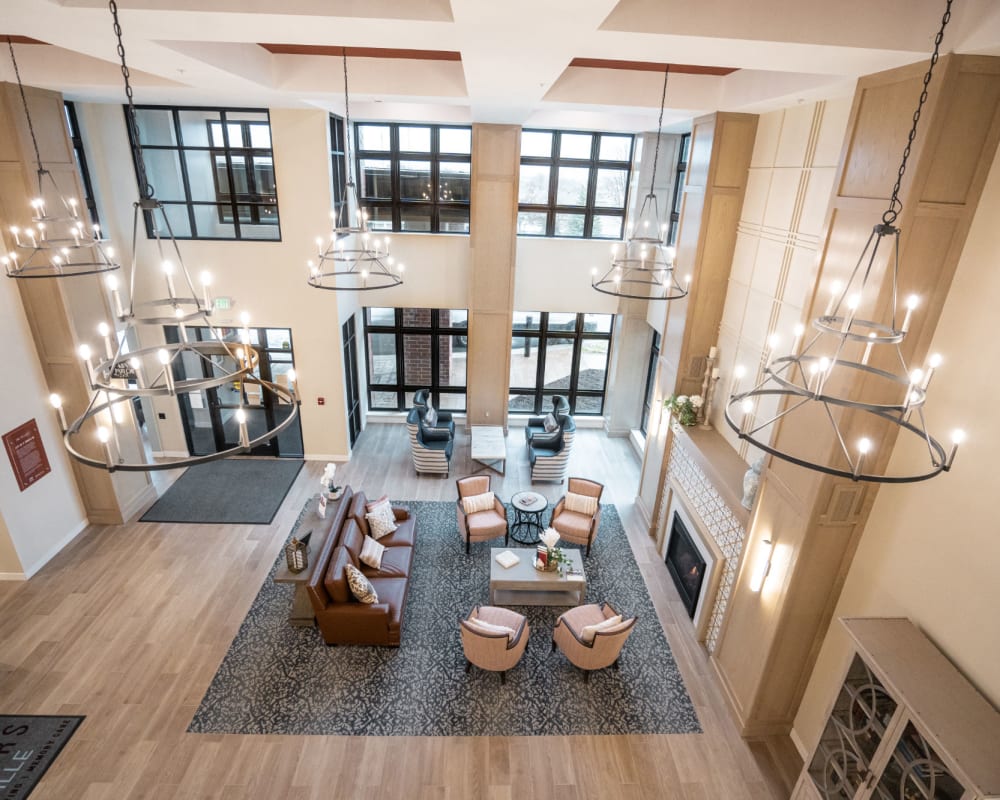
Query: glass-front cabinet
905, 725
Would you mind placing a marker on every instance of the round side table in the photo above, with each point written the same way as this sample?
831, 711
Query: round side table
527, 525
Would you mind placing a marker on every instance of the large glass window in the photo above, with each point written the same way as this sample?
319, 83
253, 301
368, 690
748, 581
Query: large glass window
675, 205
558, 353
573, 184
81, 162
416, 348
212, 169
647, 404
338, 164
415, 178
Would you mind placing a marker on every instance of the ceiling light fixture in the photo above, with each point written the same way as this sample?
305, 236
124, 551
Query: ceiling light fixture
823, 378
162, 370
352, 258
644, 268
60, 243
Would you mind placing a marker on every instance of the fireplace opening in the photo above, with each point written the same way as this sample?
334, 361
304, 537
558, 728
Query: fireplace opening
685, 564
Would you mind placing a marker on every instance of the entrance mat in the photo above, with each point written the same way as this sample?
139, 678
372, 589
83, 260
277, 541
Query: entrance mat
28, 746
278, 679
235, 491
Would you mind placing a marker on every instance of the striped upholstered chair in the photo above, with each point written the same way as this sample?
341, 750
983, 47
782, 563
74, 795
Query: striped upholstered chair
592, 636
550, 461
431, 448
498, 645
579, 521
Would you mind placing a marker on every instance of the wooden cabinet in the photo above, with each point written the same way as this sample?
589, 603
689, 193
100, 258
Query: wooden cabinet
905, 725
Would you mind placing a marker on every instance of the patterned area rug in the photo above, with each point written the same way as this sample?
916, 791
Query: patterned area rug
277, 679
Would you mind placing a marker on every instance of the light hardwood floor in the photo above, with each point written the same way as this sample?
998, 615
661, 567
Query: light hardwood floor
129, 624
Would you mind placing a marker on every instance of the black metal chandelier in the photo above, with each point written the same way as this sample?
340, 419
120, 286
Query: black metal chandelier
821, 378
644, 268
352, 258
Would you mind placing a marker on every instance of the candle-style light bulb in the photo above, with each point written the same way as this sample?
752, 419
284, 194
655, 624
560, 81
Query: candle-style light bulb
168, 272
168, 374
241, 418
864, 447
835, 289
206, 283
57, 404
911, 303
868, 348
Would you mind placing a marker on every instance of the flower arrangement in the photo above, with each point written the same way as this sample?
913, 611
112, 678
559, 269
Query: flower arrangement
684, 407
326, 482
550, 556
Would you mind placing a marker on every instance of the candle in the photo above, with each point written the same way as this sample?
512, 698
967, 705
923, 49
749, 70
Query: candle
932, 364
738, 372
813, 384
713, 352
105, 331
136, 364
206, 281
84, 352
319, 245
72, 206
863, 447
868, 348
168, 271
957, 437
241, 418
56, 402
747, 407
852, 306
112, 283
834, 291
104, 436
292, 377
797, 332
17, 234
911, 303
179, 316
168, 375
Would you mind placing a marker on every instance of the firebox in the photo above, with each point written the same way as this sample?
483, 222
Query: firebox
685, 564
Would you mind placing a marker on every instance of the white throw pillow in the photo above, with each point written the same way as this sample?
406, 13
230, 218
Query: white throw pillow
550, 424
361, 587
489, 628
371, 553
588, 632
381, 520
431, 417
581, 503
478, 502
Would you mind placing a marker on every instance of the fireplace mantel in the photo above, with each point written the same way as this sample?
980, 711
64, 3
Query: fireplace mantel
717, 459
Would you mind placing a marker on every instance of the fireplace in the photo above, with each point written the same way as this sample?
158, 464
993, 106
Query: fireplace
685, 564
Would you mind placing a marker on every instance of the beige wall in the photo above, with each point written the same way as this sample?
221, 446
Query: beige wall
774, 264
930, 550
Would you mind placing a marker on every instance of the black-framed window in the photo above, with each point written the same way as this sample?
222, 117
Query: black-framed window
675, 205
415, 178
574, 184
81, 162
647, 403
338, 164
212, 169
416, 348
559, 353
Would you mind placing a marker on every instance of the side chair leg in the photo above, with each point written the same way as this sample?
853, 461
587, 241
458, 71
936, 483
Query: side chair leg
586, 676
466, 546
615, 665
468, 666
553, 645
503, 677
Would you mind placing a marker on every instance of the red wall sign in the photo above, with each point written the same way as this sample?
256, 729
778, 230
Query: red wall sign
26, 454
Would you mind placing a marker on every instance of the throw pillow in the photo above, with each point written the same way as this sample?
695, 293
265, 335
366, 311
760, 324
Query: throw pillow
382, 501
477, 502
550, 424
589, 631
581, 503
479, 626
431, 417
381, 521
361, 587
371, 553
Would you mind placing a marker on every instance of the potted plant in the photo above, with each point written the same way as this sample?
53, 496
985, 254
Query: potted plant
329, 488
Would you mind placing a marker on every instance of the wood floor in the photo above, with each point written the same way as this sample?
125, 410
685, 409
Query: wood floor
129, 624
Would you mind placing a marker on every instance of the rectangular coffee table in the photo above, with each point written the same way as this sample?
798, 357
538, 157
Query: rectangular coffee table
523, 585
489, 446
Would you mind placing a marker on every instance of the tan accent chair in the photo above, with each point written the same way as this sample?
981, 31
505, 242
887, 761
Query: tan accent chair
573, 526
494, 652
481, 525
606, 648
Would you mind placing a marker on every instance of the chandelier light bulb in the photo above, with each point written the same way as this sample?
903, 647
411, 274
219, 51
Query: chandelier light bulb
245, 318
864, 446
957, 436
292, 376
206, 278
55, 400
402, 268
84, 351
835, 289
163, 356
168, 268
179, 313
103, 435
134, 362
671, 253
747, 405
103, 329
934, 361
241, 416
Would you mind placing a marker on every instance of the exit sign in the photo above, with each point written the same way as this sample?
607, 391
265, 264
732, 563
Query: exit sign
223, 303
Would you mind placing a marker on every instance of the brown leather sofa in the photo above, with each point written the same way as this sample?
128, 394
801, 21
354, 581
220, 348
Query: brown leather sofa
340, 617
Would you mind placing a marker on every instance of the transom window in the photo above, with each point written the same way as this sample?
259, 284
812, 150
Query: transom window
647, 404
213, 171
81, 162
556, 353
416, 348
574, 184
415, 178
675, 206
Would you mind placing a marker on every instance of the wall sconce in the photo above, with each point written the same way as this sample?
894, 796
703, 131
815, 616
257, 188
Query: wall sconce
762, 566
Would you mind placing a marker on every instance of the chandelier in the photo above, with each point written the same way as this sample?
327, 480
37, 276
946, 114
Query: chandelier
352, 259
121, 375
59, 243
822, 377
644, 268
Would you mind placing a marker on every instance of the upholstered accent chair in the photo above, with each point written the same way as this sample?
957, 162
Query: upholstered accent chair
421, 398
578, 527
549, 458
480, 526
604, 646
536, 425
494, 651
430, 448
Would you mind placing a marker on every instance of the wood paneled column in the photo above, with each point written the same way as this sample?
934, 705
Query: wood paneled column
770, 639
496, 164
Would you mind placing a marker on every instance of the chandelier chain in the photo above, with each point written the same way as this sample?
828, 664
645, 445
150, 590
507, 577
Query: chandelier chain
145, 189
895, 206
347, 126
24, 102
659, 128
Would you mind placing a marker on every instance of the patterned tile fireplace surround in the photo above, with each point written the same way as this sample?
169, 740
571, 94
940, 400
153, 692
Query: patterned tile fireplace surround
705, 498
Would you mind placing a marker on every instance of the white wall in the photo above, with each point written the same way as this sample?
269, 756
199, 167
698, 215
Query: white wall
930, 550
36, 523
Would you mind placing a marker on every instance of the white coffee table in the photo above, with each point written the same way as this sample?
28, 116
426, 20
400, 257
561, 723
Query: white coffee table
523, 585
489, 447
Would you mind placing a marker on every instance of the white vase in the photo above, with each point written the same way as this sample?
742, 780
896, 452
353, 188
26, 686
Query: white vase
751, 482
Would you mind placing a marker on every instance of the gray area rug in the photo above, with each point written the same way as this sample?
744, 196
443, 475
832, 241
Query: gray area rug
276, 679
237, 491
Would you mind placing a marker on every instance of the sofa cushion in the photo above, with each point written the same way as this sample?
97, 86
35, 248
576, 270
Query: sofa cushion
335, 581
357, 512
352, 540
392, 592
485, 523
396, 563
360, 586
572, 523
405, 534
